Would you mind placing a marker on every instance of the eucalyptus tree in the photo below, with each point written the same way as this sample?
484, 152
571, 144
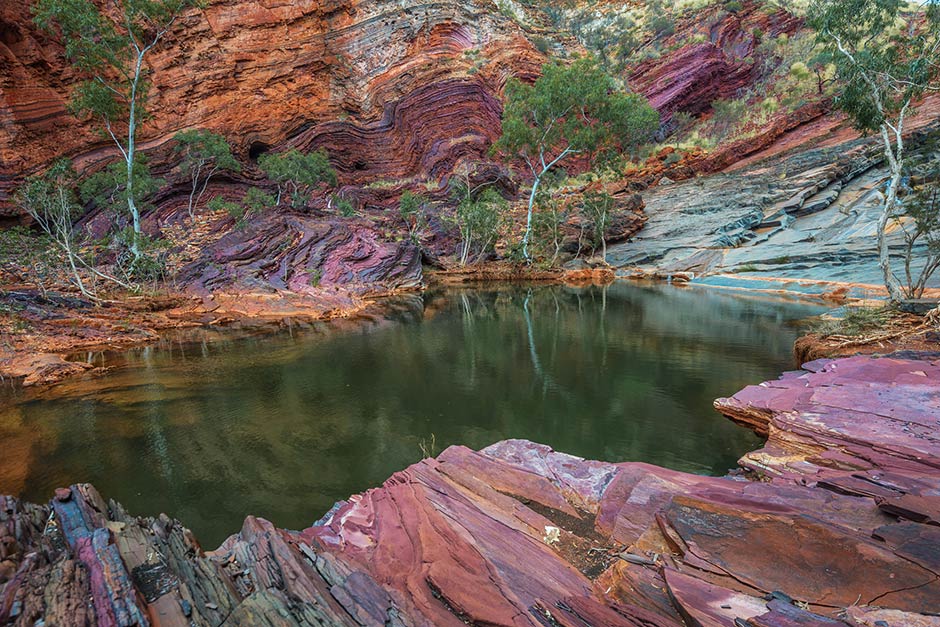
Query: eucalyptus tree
297, 172
109, 43
887, 56
570, 110
50, 200
204, 154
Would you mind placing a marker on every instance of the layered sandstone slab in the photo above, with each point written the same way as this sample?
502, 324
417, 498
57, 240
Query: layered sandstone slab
518, 534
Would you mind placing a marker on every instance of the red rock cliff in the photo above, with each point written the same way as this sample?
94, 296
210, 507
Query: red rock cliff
391, 89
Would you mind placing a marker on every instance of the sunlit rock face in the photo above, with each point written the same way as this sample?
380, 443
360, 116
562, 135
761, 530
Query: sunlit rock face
390, 89
716, 57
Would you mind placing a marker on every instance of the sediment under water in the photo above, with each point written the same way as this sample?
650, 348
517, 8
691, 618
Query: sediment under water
282, 426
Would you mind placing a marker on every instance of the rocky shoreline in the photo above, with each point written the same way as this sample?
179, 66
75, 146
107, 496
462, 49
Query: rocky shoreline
61, 325
835, 522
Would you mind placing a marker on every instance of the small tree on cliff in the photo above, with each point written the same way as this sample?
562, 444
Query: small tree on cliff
297, 172
204, 153
110, 46
596, 208
479, 217
50, 201
570, 110
886, 58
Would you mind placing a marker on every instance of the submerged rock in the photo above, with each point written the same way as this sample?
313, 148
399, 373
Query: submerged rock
841, 530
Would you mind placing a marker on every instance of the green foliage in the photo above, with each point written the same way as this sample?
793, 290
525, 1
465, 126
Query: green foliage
885, 55
30, 257
570, 109
47, 196
733, 6
613, 38
411, 209
148, 265
50, 200
727, 115
596, 208
203, 154
109, 47
108, 187
547, 222
344, 206
541, 44
680, 124
855, 321
479, 217
297, 172
235, 210
257, 200
920, 226
201, 148
662, 25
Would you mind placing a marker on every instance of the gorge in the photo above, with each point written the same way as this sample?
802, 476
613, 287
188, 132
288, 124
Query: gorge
412, 417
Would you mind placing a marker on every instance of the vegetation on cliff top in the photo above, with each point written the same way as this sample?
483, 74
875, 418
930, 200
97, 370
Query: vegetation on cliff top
887, 58
570, 110
578, 114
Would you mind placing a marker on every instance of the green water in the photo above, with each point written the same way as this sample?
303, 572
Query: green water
283, 426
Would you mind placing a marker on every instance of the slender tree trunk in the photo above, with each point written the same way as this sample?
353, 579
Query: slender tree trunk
205, 184
528, 220
894, 155
194, 180
131, 147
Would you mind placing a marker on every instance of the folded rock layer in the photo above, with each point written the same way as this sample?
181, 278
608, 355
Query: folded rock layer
390, 89
842, 529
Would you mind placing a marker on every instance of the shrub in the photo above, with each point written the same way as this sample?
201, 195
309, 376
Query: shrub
662, 25
547, 234
727, 115
596, 208
234, 209
30, 257
296, 172
479, 217
921, 232
257, 200
411, 209
204, 153
344, 206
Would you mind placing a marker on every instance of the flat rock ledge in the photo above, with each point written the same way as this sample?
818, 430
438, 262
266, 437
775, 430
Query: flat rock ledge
835, 522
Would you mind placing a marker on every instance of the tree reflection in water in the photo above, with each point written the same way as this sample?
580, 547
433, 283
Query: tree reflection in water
282, 426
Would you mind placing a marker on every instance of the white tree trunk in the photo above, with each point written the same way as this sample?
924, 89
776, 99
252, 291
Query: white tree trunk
894, 155
528, 220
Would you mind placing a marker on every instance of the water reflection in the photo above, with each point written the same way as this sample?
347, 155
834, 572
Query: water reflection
283, 426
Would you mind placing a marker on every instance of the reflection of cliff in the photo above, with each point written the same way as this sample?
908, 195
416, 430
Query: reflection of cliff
291, 425
835, 528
